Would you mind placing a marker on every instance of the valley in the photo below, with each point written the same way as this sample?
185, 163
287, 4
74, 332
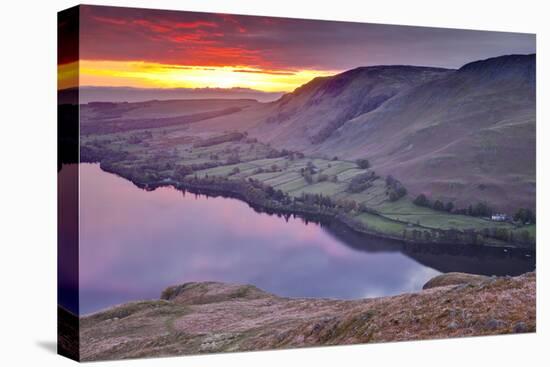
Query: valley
334, 148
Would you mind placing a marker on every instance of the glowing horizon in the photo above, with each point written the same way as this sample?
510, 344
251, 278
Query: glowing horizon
143, 74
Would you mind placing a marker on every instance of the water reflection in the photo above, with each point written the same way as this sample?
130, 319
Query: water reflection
134, 243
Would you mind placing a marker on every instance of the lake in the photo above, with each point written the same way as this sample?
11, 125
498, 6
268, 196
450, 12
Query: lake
134, 243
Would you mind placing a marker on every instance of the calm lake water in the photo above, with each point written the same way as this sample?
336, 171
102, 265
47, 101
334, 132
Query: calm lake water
135, 243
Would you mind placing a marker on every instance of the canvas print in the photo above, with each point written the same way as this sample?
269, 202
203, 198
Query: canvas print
234, 183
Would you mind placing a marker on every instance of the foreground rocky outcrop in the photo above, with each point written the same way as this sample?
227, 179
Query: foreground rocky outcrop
217, 317
454, 279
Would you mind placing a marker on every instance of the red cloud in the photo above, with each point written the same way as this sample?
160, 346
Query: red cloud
108, 20
196, 24
114, 33
155, 27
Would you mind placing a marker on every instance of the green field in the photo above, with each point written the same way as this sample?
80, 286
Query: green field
404, 210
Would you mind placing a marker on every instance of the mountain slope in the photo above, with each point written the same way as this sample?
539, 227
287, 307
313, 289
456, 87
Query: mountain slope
310, 114
466, 137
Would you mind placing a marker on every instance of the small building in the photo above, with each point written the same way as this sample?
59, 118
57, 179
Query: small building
499, 217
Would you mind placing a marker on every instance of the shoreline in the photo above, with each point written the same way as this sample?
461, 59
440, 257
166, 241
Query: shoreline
318, 216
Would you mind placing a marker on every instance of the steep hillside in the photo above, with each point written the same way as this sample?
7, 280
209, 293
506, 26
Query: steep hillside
467, 137
310, 114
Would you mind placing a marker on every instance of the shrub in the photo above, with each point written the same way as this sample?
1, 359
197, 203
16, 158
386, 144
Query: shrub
363, 163
422, 200
234, 158
322, 177
360, 182
182, 171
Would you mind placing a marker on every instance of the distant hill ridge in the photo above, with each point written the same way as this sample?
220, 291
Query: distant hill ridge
130, 94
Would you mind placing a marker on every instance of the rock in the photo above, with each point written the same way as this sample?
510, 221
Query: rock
520, 327
495, 324
453, 325
453, 279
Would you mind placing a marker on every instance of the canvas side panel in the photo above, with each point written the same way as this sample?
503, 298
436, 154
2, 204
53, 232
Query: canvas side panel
67, 183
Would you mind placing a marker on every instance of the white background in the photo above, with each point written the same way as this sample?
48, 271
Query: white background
28, 180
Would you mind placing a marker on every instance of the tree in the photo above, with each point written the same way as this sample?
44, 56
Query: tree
363, 163
396, 190
438, 205
308, 177
482, 210
422, 200
183, 171
449, 207
524, 216
360, 182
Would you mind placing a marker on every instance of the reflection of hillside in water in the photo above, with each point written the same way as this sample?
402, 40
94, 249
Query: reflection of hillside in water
458, 258
483, 260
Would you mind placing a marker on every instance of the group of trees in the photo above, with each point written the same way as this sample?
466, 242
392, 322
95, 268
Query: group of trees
308, 171
480, 209
274, 153
293, 155
525, 216
219, 139
182, 170
469, 236
272, 168
323, 202
361, 182
394, 188
422, 200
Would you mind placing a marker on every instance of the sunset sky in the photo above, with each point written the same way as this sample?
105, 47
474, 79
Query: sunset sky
165, 49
